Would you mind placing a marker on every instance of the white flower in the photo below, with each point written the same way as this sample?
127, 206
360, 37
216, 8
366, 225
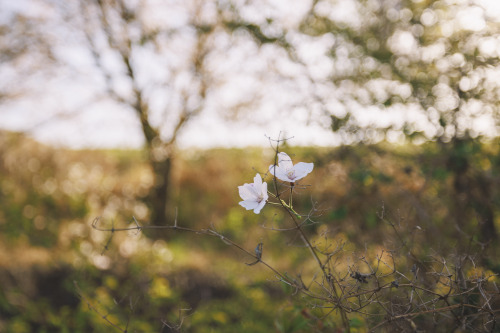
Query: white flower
286, 171
254, 195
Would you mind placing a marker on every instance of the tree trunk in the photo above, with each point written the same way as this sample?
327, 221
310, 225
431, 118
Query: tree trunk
160, 156
158, 195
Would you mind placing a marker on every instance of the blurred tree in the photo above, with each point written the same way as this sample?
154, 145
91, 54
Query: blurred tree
156, 68
422, 70
162, 62
22, 48
165, 62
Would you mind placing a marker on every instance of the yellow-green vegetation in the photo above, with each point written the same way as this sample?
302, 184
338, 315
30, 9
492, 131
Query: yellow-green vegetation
374, 203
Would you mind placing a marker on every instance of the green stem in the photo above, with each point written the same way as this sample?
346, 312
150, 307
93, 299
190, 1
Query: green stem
290, 209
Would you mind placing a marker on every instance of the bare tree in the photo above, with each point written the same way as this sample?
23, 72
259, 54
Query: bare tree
161, 63
163, 68
165, 61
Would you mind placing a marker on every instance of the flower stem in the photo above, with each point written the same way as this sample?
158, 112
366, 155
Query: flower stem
290, 209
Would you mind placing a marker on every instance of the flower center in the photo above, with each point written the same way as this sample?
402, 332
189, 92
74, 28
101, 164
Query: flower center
291, 174
259, 196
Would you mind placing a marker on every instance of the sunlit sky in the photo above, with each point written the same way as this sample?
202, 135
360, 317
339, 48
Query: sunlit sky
105, 125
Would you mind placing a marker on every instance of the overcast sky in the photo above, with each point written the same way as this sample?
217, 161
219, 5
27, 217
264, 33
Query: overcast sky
105, 125
60, 112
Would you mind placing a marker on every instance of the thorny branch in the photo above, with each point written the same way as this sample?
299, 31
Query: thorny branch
381, 289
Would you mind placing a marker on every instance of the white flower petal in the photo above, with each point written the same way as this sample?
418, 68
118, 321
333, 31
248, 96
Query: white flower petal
284, 162
257, 181
283, 176
259, 207
287, 172
250, 191
246, 192
302, 169
255, 190
263, 192
254, 195
249, 204
279, 173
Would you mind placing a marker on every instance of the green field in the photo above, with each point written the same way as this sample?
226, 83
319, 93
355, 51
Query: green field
399, 212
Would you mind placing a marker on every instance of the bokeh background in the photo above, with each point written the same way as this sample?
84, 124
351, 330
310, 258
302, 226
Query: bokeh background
158, 110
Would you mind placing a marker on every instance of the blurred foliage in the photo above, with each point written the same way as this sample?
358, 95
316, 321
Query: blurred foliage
57, 274
427, 68
420, 70
417, 202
